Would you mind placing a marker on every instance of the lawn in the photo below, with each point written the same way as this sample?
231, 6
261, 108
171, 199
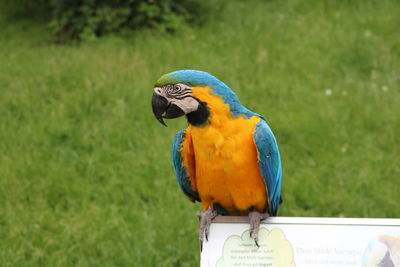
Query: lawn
86, 177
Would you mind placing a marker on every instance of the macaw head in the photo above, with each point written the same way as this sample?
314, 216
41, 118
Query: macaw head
174, 96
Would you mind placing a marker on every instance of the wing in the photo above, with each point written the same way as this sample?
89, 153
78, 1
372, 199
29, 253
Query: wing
178, 157
269, 163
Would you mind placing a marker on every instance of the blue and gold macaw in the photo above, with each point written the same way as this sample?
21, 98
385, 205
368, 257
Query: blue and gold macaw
228, 158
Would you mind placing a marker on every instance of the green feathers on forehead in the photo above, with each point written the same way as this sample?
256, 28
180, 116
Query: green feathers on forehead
197, 78
166, 79
187, 77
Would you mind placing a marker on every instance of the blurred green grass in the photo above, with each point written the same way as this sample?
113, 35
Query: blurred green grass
86, 177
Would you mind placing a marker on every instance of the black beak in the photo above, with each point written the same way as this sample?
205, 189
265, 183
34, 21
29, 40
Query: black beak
163, 109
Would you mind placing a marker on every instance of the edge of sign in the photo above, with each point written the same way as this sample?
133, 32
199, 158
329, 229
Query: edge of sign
312, 220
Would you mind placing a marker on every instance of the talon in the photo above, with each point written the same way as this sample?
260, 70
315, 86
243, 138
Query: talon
255, 218
205, 221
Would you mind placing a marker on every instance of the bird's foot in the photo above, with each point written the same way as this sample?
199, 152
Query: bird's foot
205, 218
255, 218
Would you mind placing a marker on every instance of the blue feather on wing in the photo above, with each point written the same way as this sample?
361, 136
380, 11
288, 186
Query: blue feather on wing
180, 170
269, 163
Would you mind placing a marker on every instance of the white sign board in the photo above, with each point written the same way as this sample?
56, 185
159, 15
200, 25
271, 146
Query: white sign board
291, 241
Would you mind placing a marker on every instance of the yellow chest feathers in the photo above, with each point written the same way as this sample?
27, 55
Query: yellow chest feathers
225, 137
224, 165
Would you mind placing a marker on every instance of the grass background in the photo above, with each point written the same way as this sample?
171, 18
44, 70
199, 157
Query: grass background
86, 177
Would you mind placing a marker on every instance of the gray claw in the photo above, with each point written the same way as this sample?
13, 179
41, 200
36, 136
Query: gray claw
205, 221
255, 218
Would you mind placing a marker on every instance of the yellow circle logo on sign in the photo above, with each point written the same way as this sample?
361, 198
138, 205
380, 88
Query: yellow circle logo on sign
274, 250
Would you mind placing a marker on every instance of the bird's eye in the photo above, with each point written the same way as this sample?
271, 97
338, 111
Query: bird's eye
177, 87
